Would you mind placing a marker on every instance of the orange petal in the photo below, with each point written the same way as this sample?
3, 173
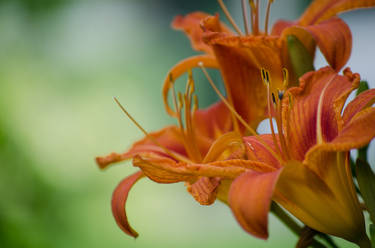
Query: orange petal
358, 132
168, 137
314, 114
320, 193
362, 101
250, 200
258, 152
119, 197
240, 60
204, 190
195, 24
320, 10
179, 69
281, 25
224, 143
164, 170
213, 121
334, 40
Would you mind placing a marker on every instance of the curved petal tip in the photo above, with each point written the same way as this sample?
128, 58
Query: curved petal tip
119, 197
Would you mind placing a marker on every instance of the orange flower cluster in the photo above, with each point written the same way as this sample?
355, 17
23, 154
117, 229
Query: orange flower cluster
305, 166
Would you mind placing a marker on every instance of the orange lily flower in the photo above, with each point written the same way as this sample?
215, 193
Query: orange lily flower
204, 152
240, 57
311, 175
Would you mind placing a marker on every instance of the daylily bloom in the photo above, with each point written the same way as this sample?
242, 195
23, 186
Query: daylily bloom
240, 56
311, 175
204, 152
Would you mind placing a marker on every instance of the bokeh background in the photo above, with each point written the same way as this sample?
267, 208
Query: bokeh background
61, 62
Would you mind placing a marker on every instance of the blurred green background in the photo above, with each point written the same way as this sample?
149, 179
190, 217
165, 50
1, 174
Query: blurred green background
61, 62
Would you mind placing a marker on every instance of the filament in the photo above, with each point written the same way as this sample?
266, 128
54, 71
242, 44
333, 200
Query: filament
245, 17
166, 150
267, 16
229, 17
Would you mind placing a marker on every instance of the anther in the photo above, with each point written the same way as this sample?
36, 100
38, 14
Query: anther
273, 98
280, 94
196, 103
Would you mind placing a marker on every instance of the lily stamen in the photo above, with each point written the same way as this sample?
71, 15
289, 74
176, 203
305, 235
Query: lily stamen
279, 123
256, 18
265, 78
245, 17
190, 134
166, 150
267, 16
229, 17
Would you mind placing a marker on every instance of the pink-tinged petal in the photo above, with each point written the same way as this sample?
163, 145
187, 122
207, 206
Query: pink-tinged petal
263, 151
204, 190
362, 101
334, 39
181, 68
320, 10
119, 197
313, 114
213, 121
250, 200
195, 24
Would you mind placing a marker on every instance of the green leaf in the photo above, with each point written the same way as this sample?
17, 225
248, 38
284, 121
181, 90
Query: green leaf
372, 234
300, 58
366, 181
363, 85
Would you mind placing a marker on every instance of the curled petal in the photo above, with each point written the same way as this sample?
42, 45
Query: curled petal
195, 24
312, 112
222, 144
179, 69
362, 101
204, 190
119, 197
250, 200
332, 36
358, 132
334, 40
320, 10
164, 170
